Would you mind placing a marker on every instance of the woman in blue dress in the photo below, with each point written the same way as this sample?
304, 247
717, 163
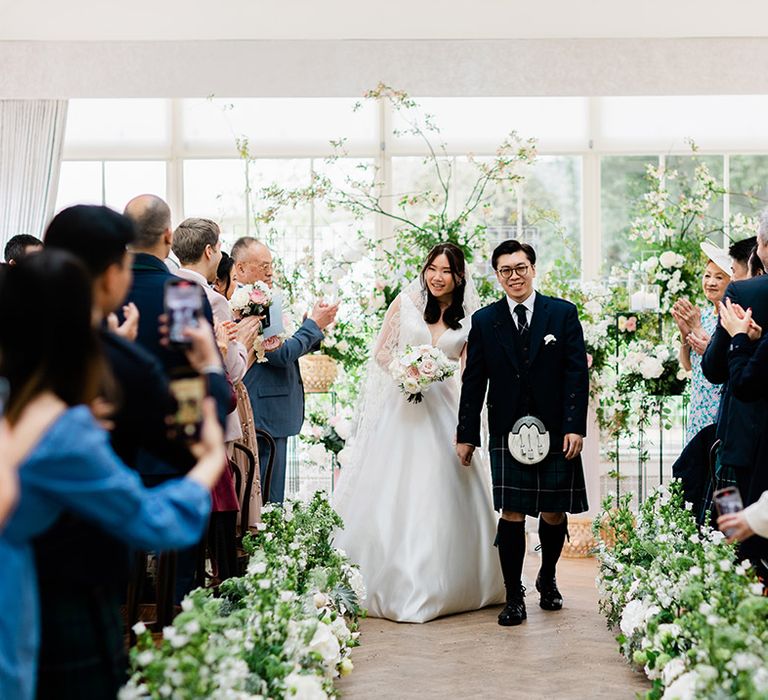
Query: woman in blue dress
696, 328
50, 356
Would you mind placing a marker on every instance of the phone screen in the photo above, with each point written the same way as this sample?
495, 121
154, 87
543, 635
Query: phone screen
183, 304
189, 393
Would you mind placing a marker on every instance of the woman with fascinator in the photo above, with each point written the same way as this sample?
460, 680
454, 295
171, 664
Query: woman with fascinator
420, 525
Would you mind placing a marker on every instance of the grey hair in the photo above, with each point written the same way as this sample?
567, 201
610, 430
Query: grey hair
762, 228
241, 245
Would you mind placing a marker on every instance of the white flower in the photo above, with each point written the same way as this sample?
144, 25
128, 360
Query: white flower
345, 667
356, 583
340, 629
672, 670
651, 367
320, 600
668, 259
239, 299
303, 686
324, 642
593, 307
264, 583
187, 605
257, 567
145, 658
139, 628
342, 346
632, 617
725, 565
683, 688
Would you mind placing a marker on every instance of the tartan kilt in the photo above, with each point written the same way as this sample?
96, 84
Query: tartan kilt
555, 485
82, 651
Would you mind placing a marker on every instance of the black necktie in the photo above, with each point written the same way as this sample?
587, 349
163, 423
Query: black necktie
522, 319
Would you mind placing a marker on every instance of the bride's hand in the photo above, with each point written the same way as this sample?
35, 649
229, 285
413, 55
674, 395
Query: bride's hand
465, 451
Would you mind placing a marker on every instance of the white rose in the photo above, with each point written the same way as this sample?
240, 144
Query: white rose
305, 687
428, 367
683, 688
650, 264
668, 259
342, 346
344, 428
239, 298
651, 368
319, 600
317, 454
340, 629
342, 456
324, 642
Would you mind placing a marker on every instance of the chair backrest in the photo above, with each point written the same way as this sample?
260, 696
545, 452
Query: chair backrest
243, 469
263, 437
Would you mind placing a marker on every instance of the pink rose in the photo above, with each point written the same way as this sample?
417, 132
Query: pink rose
412, 372
258, 297
272, 343
589, 360
428, 367
631, 325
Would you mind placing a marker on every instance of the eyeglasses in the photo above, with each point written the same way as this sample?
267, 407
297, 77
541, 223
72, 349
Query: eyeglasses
519, 270
264, 267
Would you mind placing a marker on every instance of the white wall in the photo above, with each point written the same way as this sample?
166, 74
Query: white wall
580, 67
145, 20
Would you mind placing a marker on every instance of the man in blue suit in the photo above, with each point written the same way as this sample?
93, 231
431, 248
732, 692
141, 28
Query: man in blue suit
275, 386
527, 352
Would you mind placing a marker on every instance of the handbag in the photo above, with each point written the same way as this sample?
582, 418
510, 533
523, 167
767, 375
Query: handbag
528, 440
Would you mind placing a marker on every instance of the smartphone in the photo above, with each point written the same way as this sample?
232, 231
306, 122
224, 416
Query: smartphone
5, 392
189, 393
183, 306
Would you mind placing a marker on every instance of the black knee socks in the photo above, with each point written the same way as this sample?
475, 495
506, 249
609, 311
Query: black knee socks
511, 544
552, 538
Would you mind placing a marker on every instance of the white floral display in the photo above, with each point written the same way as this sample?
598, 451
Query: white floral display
688, 612
283, 630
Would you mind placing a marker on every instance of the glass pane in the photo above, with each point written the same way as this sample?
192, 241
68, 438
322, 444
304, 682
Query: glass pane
216, 189
748, 184
416, 189
126, 179
79, 183
556, 122
552, 209
290, 235
622, 183
295, 122
123, 122
686, 166
737, 120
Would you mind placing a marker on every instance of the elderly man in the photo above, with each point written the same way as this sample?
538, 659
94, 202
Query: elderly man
275, 387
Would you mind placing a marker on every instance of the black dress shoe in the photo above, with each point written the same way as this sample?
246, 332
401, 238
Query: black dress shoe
550, 598
514, 611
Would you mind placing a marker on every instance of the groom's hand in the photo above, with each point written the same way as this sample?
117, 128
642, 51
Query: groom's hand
572, 445
465, 452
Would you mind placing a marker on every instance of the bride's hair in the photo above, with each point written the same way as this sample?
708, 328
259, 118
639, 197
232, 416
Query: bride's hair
455, 312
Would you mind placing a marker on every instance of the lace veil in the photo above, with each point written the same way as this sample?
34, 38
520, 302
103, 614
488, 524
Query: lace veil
379, 389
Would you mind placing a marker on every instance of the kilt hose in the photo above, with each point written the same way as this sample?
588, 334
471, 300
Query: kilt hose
555, 485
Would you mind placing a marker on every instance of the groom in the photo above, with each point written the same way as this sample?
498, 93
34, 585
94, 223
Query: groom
527, 350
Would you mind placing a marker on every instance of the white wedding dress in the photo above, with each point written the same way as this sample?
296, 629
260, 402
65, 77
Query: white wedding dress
420, 525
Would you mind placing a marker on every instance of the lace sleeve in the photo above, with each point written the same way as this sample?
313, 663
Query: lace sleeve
389, 338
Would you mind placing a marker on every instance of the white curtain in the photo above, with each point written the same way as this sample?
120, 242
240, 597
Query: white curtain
31, 141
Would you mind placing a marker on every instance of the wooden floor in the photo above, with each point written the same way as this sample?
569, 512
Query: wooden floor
566, 654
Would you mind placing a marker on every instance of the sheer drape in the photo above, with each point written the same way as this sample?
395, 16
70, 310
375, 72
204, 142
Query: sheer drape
31, 141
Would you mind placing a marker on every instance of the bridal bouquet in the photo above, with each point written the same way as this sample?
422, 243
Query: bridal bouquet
418, 368
251, 300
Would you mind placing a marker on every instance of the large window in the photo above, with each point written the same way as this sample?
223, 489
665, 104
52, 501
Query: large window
191, 153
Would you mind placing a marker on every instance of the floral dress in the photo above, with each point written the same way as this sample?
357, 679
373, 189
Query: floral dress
705, 397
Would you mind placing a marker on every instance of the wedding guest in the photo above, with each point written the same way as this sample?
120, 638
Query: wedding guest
275, 387
55, 370
740, 425
696, 327
755, 264
197, 245
748, 380
20, 246
226, 280
740, 253
225, 284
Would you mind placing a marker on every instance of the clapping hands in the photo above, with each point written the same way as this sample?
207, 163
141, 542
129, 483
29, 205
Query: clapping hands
735, 320
687, 316
324, 314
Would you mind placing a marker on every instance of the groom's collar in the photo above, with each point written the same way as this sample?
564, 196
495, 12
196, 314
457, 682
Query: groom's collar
528, 303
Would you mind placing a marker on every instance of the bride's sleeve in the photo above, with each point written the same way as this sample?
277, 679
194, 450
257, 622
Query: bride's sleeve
386, 344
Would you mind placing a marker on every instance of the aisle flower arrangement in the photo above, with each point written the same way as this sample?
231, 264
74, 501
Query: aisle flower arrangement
689, 614
283, 630
327, 435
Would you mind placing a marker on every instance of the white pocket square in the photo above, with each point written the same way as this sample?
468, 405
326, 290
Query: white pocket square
549, 339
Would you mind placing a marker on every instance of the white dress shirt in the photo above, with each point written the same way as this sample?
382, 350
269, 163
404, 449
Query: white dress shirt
528, 304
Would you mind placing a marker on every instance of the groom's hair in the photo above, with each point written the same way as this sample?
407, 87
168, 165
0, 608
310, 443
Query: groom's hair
509, 248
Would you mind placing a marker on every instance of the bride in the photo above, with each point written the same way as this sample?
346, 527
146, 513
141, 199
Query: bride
420, 525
